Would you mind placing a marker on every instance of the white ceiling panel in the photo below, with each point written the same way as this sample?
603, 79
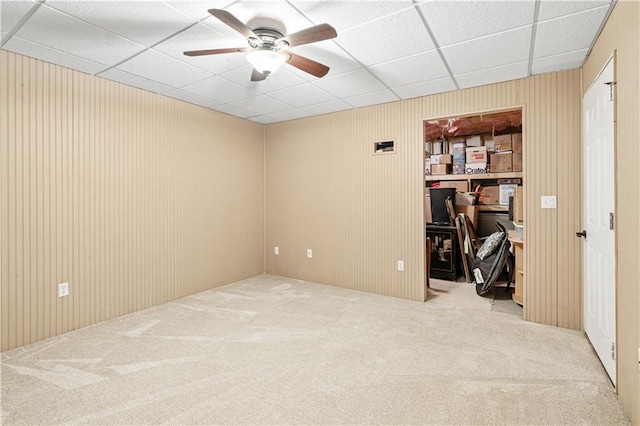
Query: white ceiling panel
134, 80
425, 88
198, 9
145, 22
191, 98
327, 107
277, 15
279, 80
47, 54
302, 95
70, 35
261, 104
372, 98
231, 110
11, 12
346, 14
563, 61
411, 69
551, 36
329, 53
221, 90
291, 114
456, 21
200, 37
350, 84
550, 9
488, 52
264, 119
493, 75
393, 37
163, 69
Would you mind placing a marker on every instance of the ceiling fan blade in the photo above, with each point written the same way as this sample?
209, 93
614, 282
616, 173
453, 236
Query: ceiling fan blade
234, 23
307, 65
310, 35
215, 51
257, 75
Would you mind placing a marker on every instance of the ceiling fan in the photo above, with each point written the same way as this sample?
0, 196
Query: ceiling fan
267, 47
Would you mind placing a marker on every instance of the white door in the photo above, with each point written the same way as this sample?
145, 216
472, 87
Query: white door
598, 213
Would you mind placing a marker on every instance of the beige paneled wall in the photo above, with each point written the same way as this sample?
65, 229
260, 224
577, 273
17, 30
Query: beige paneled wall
133, 198
361, 213
621, 36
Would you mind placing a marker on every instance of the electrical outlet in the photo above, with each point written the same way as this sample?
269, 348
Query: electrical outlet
400, 265
63, 289
309, 253
276, 250
548, 202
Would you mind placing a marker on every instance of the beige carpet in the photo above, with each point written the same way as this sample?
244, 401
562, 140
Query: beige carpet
273, 350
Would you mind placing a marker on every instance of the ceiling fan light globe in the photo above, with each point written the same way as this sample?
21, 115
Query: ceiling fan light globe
266, 61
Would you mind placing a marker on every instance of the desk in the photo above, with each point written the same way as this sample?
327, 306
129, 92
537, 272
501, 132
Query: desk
445, 252
518, 244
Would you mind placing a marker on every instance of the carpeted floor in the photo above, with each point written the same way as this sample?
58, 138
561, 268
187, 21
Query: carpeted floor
273, 350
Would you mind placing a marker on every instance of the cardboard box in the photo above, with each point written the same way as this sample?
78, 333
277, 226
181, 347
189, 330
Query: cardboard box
427, 208
441, 159
489, 195
427, 167
458, 167
502, 143
501, 162
474, 141
466, 198
516, 142
440, 169
475, 168
458, 151
517, 161
469, 210
488, 141
459, 185
456, 143
477, 154
506, 191
518, 213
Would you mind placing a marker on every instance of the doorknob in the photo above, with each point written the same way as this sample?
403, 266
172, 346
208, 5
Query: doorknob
581, 234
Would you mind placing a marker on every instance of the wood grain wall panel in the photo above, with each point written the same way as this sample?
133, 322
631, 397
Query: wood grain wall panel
133, 198
621, 37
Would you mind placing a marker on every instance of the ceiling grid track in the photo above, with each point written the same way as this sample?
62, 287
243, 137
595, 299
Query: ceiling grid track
534, 29
21, 22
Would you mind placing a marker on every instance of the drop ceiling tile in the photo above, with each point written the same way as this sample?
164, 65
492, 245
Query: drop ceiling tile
411, 69
291, 114
560, 62
198, 9
231, 110
345, 14
200, 37
328, 53
145, 22
221, 90
191, 98
457, 21
383, 40
381, 97
487, 52
264, 119
163, 69
47, 54
276, 15
70, 35
550, 9
350, 84
425, 88
552, 39
261, 104
302, 95
327, 107
11, 12
493, 75
134, 80
276, 81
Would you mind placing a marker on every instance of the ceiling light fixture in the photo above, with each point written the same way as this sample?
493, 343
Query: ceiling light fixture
266, 61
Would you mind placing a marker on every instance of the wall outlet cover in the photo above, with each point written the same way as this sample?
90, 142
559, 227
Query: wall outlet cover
63, 289
309, 253
400, 265
276, 250
548, 202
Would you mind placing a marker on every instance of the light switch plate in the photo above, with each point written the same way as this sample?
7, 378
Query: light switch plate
63, 289
400, 265
548, 202
276, 250
309, 253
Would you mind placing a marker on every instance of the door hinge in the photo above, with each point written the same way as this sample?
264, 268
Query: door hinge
613, 351
610, 84
611, 221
